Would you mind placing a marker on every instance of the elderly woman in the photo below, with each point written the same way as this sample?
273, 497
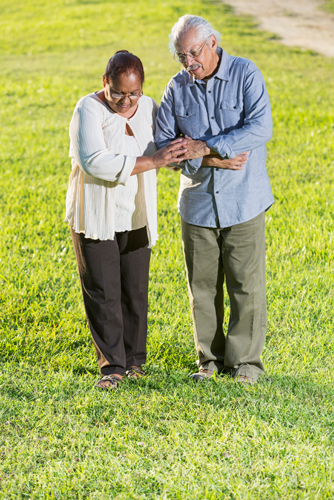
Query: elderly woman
111, 209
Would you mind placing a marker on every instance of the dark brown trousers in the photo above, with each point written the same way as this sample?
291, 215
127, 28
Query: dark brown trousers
114, 284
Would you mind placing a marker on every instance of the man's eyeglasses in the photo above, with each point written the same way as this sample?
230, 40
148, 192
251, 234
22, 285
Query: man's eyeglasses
133, 97
193, 54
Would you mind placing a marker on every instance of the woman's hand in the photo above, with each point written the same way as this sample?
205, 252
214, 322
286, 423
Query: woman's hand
214, 160
170, 153
166, 155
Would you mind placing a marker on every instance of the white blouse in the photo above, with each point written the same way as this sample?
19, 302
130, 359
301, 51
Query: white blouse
101, 161
130, 206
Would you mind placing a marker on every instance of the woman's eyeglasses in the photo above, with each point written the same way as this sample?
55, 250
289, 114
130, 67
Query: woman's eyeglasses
133, 97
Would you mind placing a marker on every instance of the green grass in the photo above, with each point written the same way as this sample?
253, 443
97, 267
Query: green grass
163, 438
329, 5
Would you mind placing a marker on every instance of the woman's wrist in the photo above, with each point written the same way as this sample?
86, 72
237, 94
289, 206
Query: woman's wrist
143, 164
149, 163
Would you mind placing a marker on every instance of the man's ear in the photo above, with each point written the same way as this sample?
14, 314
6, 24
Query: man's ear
214, 43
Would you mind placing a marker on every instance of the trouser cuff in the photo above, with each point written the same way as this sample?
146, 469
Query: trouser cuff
108, 370
135, 362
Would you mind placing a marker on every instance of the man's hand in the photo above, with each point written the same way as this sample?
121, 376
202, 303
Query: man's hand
214, 160
199, 149
195, 149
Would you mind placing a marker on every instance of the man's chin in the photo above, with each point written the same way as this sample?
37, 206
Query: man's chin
196, 74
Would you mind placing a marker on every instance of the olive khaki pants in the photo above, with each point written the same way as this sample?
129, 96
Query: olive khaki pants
236, 254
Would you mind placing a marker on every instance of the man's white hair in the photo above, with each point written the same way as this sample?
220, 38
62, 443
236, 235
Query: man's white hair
187, 22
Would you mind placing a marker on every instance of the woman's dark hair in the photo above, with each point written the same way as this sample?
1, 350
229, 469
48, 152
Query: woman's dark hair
124, 62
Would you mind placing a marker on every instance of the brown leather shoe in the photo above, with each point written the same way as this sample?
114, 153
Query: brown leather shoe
202, 374
243, 379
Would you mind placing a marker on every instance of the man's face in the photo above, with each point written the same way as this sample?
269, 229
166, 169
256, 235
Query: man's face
197, 56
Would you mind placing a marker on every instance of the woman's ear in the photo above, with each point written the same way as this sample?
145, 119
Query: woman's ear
104, 80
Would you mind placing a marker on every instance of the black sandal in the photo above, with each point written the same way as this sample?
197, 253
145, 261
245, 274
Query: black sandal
112, 379
135, 372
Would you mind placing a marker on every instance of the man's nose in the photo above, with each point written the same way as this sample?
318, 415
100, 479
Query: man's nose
189, 57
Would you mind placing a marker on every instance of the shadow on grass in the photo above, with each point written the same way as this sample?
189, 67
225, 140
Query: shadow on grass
286, 401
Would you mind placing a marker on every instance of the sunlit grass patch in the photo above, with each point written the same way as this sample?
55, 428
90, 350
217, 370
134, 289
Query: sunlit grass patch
164, 437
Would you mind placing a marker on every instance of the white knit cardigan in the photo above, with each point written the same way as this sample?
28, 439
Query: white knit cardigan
100, 162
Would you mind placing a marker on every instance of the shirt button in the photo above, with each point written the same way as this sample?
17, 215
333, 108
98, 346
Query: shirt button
209, 91
217, 169
212, 117
217, 192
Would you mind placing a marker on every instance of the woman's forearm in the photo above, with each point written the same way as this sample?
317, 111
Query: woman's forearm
143, 164
161, 158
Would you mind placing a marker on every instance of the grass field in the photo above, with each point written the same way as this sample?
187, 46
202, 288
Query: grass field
165, 437
329, 5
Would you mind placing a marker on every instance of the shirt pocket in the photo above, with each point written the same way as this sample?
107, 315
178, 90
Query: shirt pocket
187, 118
232, 114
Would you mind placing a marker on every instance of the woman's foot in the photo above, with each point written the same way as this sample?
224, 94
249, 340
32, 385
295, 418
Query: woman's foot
109, 381
135, 372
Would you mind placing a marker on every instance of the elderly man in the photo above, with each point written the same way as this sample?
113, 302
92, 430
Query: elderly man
220, 103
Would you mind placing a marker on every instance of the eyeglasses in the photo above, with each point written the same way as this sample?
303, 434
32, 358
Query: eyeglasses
133, 97
193, 54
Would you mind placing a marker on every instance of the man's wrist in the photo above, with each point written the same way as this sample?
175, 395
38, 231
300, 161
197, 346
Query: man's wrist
207, 150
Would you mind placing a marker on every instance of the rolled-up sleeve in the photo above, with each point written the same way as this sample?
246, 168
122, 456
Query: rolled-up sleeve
257, 126
89, 149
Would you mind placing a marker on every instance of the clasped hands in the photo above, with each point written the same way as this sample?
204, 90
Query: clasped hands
185, 148
197, 149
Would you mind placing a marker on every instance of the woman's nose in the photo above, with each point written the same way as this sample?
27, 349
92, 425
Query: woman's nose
126, 99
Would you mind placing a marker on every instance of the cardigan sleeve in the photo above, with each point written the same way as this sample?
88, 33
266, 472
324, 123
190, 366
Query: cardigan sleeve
89, 149
155, 109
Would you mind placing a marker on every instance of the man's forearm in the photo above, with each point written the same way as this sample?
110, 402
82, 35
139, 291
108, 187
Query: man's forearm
190, 167
249, 137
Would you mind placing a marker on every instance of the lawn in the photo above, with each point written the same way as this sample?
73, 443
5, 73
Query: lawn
165, 437
329, 5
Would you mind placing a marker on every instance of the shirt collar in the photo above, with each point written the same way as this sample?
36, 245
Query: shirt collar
223, 72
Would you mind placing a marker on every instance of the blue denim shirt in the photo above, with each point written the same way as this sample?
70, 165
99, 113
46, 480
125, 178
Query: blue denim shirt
231, 113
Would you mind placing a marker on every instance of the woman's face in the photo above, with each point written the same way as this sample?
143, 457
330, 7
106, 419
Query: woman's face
122, 93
